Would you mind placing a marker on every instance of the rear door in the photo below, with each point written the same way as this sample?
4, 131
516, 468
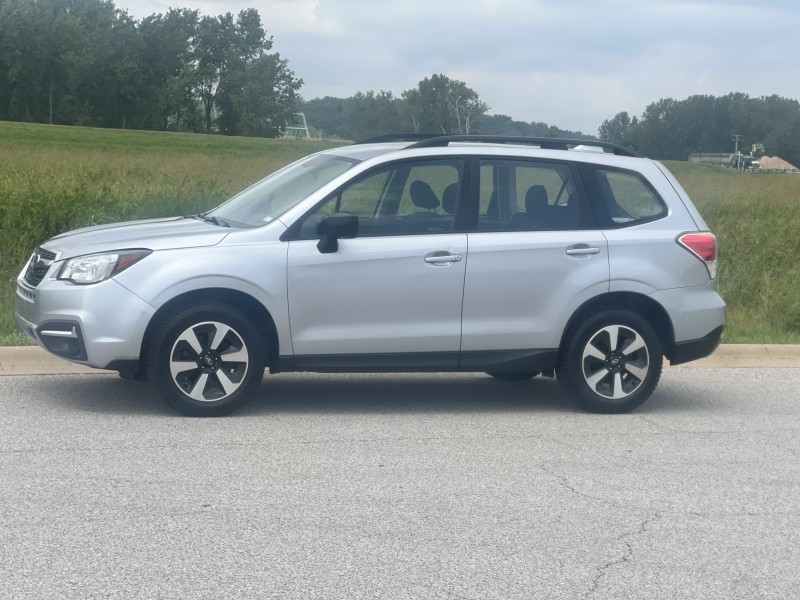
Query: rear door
536, 257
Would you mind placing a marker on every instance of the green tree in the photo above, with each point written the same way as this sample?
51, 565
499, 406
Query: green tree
370, 114
213, 47
36, 39
327, 115
443, 105
165, 99
97, 93
505, 125
87, 62
783, 136
268, 98
673, 129
617, 129
243, 89
413, 107
430, 111
465, 106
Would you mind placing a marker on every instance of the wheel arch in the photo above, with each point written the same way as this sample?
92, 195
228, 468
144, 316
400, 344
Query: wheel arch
646, 307
256, 311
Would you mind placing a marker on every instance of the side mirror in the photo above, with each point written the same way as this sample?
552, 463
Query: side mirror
338, 226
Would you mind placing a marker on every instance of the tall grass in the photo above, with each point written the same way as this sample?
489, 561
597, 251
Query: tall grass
53, 179
756, 218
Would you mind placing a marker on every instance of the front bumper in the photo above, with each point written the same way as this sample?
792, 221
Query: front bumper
62, 338
95, 325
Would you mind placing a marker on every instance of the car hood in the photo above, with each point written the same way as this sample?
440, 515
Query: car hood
152, 234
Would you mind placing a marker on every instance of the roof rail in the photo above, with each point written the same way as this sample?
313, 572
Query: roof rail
400, 137
543, 143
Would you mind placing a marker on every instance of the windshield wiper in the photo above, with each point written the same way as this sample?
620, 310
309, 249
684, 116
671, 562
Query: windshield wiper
215, 220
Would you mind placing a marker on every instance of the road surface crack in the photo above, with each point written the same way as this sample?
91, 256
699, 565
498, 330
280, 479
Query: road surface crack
627, 555
565, 483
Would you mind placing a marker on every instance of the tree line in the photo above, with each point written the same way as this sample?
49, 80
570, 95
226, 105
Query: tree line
85, 62
438, 104
672, 129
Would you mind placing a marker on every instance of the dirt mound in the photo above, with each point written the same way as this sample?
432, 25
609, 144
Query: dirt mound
774, 163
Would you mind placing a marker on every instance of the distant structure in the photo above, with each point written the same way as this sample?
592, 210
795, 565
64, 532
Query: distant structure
750, 162
715, 158
299, 129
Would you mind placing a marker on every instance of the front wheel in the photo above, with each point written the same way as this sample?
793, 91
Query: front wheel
612, 362
206, 360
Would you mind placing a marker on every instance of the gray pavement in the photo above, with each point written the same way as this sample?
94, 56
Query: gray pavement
32, 360
446, 487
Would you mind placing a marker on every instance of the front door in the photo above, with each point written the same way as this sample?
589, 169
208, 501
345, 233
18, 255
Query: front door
392, 296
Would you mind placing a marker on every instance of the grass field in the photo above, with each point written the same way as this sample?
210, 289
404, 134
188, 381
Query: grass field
57, 178
756, 218
53, 179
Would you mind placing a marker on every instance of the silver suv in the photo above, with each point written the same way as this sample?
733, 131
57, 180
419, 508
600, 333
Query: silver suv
513, 256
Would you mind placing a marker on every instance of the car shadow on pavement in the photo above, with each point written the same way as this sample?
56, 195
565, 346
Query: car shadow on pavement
404, 393
293, 393
298, 393
426, 393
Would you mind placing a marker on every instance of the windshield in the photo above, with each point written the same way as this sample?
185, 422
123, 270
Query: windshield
268, 199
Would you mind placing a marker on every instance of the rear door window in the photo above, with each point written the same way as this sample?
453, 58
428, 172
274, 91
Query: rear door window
526, 195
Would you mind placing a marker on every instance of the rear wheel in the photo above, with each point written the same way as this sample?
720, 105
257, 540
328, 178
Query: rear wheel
206, 360
612, 362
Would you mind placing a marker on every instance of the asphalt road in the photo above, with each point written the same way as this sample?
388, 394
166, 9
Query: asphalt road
402, 486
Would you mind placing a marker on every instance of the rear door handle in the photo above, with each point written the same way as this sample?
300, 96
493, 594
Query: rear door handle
582, 250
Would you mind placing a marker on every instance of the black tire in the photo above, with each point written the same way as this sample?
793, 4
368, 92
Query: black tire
206, 360
513, 375
611, 362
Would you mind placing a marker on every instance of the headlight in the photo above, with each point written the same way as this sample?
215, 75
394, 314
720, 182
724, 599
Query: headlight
94, 268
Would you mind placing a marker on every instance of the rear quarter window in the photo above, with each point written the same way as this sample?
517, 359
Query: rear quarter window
622, 198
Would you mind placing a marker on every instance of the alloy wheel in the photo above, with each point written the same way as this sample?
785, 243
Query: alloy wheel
208, 361
615, 362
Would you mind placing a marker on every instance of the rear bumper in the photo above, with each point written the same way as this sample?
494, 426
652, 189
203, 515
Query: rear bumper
692, 311
699, 348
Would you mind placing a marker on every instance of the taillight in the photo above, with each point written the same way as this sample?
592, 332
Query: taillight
703, 246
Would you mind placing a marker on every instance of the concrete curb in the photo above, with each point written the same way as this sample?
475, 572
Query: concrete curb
32, 360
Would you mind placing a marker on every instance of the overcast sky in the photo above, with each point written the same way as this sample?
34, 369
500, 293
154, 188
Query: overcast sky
568, 63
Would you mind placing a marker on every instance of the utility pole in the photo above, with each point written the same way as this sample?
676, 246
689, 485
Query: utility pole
735, 138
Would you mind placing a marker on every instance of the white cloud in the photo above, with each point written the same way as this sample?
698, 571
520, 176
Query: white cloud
569, 63
298, 16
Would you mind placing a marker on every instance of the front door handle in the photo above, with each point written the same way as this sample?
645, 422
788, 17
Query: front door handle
438, 258
582, 250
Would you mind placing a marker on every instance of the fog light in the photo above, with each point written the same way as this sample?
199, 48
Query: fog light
63, 339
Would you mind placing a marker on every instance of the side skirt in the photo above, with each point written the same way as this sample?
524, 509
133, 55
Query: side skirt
422, 362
